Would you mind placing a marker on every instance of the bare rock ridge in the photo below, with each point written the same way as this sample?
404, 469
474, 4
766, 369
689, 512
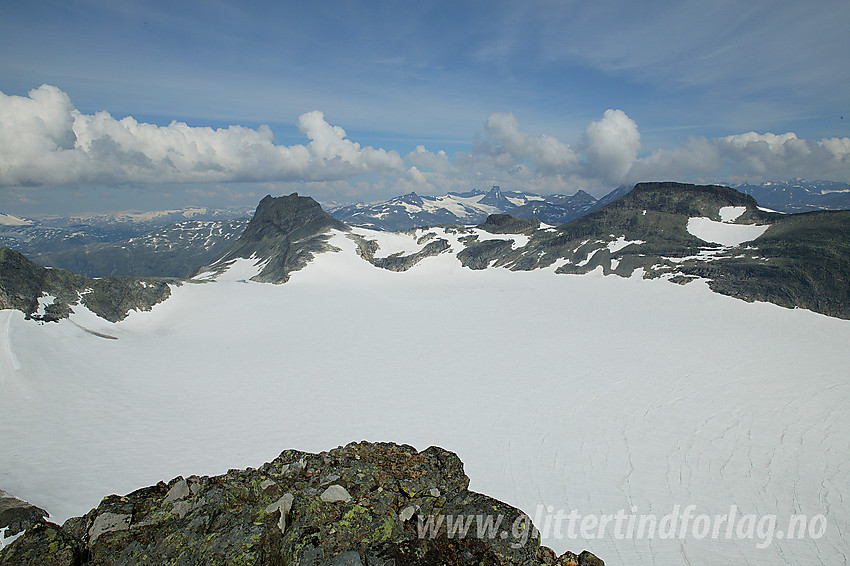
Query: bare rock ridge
362, 504
284, 233
49, 294
16, 516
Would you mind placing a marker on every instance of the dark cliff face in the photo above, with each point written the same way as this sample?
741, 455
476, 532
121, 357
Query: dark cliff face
361, 504
284, 234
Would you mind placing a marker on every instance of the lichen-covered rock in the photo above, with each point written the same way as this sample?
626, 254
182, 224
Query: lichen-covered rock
362, 504
17, 515
44, 544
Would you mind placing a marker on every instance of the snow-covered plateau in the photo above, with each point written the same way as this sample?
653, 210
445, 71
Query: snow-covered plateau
575, 392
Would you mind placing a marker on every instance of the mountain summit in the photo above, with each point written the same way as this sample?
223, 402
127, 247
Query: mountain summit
496, 199
282, 237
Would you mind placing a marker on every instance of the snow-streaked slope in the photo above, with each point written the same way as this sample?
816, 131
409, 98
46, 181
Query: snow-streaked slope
580, 392
412, 241
9, 220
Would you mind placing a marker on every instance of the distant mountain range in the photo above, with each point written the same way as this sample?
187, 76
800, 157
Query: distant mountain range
171, 251
671, 231
44, 234
461, 327
174, 243
798, 195
473, 207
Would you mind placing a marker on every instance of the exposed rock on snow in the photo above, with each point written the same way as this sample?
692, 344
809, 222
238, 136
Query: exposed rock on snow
17, 516
24, 285
232, 520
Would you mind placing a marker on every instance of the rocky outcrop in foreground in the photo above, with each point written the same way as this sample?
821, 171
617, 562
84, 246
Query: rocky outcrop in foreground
16, 516
362, 504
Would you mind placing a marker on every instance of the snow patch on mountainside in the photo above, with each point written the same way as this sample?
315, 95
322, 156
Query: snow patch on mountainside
519, 240
731, 213
390, 243
722, 233
462, 207
8, 220
239, 269
621, 243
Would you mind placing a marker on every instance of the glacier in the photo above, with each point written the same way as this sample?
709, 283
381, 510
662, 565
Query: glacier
587, 392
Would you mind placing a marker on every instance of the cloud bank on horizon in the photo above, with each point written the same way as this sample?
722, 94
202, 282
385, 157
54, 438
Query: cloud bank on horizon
45, 141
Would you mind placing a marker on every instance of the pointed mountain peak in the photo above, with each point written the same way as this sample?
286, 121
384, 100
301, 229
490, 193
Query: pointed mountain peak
281, 237
409, 198
494, 197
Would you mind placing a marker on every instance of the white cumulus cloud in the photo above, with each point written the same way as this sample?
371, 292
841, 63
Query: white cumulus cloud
45, 140
749, 155
548, 154
611, 146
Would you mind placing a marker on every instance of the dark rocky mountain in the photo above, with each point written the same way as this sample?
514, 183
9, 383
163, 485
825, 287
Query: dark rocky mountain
284, 233
172, 251
472, 207
49, 294
362, 504
799, 195
496, 199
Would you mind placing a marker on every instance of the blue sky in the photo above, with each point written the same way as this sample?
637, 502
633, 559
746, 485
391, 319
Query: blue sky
541, 96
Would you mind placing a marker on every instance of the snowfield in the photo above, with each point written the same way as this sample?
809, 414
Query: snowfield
576, 392
722, 233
